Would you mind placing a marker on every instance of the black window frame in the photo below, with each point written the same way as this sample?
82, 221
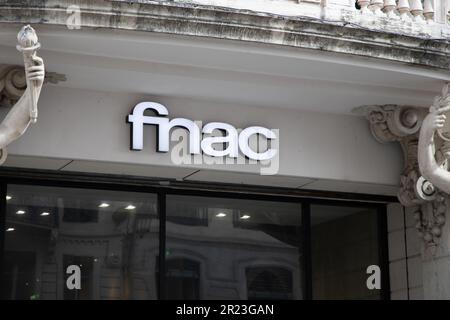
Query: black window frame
164, 187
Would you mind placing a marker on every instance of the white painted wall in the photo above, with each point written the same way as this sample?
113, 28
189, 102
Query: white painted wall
90, 126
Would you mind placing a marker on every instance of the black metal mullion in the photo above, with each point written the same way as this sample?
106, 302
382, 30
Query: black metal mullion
307, 258
3, 193
383, 252
162, 245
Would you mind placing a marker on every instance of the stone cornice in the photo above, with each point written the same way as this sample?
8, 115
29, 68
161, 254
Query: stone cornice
233, 24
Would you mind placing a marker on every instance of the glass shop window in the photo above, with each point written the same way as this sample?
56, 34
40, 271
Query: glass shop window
248, 250
269, 283
182, 279
113, 237
86, 280
192, 215
80, 215
344, 243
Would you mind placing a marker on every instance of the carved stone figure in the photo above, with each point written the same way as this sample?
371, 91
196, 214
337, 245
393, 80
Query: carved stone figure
429, 166
24, 111
433, 155
424, 199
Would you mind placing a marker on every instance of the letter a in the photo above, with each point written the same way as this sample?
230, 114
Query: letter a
374, 280
74, 280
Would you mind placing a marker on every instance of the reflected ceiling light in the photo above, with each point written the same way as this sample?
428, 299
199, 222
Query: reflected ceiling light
8, 198
104, 205
45, 214
221, 215
245, 217
20, 212
10, 229
130, 207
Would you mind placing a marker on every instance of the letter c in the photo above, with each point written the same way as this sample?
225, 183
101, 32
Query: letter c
244, 137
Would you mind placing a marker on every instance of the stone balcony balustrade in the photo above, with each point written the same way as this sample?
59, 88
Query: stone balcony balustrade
416, 17
406, 31
427, 18
417, 10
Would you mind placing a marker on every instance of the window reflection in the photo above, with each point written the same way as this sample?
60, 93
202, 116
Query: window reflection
216, 248
111, 235
182, 279
344, 243
246, 250
269, 283
86, 280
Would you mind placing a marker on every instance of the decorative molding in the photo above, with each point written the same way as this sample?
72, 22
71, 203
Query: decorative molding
392, 123
13, 83
343, 29
430, 218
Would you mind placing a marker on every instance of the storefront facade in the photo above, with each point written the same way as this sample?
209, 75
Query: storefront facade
216, 243
304, 201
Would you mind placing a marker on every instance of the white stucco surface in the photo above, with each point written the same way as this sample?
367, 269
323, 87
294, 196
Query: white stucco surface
86, 125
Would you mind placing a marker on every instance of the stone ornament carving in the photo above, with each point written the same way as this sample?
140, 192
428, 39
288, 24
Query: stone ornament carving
430, 218
433, 156
390, 123
25, 89
13, 83
418, 190
433, 150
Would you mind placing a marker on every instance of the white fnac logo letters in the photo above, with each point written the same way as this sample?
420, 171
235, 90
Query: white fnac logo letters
232, 139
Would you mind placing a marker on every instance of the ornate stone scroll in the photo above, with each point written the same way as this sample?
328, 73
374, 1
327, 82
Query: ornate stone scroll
392, 123
13, 83
423, 190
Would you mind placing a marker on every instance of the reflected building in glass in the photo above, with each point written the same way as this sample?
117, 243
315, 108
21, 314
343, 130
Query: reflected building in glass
217, 248
112, 236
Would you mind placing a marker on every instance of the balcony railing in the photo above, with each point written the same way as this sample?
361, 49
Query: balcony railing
418, 10
427, 18
420, 17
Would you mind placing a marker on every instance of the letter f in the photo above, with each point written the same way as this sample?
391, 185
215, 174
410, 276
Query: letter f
137, 120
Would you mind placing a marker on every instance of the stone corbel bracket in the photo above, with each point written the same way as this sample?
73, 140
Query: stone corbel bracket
13, 83
393, 123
